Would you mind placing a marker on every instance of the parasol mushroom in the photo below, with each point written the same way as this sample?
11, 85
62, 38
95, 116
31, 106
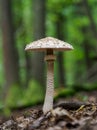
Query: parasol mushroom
49, 45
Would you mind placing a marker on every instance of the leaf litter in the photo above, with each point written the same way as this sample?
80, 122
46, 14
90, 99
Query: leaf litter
64, 116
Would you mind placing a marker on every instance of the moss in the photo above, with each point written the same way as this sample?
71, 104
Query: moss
34, 93
65, 92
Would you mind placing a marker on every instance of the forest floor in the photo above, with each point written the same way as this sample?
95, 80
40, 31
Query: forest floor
68, 114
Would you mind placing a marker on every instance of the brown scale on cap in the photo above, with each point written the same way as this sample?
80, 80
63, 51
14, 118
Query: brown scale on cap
49, 45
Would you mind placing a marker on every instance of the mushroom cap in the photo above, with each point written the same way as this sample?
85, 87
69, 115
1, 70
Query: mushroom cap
49, 43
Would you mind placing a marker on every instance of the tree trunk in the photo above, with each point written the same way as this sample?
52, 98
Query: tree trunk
86, 42
28, 69
60, 35
92, 23
93, 27
38, 32
87, 57
10, 54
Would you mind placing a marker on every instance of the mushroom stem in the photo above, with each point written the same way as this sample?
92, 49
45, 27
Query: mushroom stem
48, 103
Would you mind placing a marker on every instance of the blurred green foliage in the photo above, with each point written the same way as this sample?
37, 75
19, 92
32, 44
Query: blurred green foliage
17, 96
74, 62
